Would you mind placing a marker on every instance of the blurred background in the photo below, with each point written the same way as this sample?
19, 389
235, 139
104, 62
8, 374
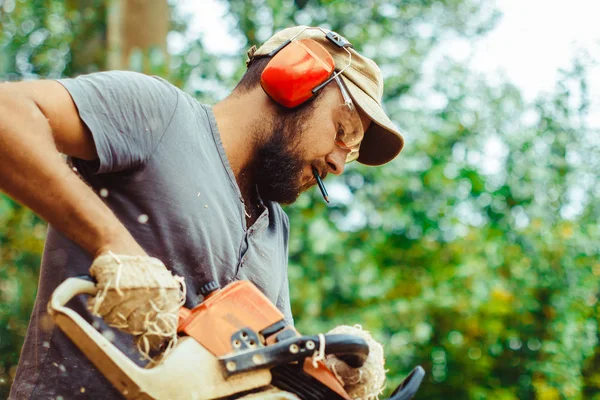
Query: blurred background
476, 253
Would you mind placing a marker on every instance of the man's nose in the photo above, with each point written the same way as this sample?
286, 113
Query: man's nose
336, 160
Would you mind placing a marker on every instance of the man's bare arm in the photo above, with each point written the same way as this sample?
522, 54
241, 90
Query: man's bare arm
38, 121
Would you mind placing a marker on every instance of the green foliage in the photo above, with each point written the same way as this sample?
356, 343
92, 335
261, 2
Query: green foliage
475, 253
21, 242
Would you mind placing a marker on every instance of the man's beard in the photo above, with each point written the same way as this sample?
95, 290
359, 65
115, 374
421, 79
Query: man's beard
278, 164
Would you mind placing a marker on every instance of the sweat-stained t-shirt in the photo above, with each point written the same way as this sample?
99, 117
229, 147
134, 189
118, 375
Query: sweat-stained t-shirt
163, 171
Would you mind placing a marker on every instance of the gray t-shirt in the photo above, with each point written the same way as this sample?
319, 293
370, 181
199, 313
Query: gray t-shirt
163, 171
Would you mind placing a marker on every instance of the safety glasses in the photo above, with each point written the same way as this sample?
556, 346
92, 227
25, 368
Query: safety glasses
349, 129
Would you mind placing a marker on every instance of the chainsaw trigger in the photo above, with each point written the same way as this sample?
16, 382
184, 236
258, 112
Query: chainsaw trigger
285, 335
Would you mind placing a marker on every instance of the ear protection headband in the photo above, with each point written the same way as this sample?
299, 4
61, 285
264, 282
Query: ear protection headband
299, 69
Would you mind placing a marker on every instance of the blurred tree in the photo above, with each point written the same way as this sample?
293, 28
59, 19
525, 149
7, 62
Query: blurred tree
128, 45
475, 253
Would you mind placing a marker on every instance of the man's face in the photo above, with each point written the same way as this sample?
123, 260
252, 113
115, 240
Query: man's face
300, 141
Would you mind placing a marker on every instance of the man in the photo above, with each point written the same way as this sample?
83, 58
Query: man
195, 186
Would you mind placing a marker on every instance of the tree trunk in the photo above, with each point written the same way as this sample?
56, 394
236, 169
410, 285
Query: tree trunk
137, 35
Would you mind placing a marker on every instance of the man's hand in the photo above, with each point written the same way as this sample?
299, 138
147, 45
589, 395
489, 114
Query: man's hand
38, 120
138, 295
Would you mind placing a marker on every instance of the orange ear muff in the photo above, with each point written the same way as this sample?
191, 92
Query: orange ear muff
295, 70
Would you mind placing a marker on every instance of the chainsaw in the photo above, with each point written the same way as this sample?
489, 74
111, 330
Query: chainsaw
248, 352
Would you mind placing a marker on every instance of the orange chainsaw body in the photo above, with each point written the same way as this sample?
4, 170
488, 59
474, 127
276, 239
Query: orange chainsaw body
240, 305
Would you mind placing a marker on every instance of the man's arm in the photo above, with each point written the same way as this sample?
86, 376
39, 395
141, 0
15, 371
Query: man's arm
38, 120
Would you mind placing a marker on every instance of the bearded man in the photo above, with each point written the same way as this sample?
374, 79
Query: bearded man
158, 174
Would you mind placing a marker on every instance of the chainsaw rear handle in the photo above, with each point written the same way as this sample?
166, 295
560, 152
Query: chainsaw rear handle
105, 356
66, 291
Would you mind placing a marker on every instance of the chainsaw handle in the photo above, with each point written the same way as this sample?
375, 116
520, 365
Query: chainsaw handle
352, 349
67, 290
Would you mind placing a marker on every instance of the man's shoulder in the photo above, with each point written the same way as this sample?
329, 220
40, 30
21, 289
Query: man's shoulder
118, 81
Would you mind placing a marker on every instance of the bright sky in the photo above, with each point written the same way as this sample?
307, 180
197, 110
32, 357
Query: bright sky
208, 20
536, 37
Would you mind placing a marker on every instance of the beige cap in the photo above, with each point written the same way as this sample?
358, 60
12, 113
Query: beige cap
383, 141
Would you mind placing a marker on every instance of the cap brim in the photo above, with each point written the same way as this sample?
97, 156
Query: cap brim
383, 141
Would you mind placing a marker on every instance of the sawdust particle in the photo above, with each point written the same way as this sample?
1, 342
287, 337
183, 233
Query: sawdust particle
109, 335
